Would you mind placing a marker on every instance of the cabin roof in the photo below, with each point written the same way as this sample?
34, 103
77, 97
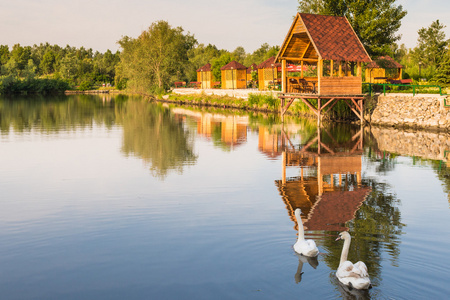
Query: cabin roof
267, 64
318, 36
253, 68
205, 68
384, 62
234, 65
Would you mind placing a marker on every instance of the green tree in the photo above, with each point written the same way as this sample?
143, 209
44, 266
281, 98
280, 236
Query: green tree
375, 22
218, 63
442, 74
152, 61
198, 57
48, 61
239, 55
4, 54
431, 44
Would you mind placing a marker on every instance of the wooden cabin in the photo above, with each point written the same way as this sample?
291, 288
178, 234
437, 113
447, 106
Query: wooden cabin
329, 43
251, 70
205, 76
383, 69
234, 76
268, 74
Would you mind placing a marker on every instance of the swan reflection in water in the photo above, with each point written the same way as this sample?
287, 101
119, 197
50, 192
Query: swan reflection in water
349, 293
312, 261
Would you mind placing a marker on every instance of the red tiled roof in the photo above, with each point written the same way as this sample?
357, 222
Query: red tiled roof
205, 68
267, 64
253, 67
234, 65
384, 62
334, 38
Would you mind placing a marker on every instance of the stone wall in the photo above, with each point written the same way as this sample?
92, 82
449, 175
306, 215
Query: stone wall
420, 143
419, 111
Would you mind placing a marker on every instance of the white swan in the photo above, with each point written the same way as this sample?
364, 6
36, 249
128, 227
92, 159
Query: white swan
352, 275
302, 246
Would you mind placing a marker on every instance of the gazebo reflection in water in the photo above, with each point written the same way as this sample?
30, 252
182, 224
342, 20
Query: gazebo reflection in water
328, 189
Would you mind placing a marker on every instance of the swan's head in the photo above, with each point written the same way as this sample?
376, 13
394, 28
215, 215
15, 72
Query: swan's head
344, 235
298, 211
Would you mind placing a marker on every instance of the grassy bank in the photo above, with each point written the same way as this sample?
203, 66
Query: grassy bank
258, 102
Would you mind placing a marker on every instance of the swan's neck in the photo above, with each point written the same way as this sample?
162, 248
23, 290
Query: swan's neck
345, 249
301, 231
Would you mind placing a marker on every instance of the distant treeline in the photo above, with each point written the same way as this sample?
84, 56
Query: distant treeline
48, 68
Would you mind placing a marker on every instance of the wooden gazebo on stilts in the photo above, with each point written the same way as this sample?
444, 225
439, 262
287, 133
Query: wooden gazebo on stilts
331, 44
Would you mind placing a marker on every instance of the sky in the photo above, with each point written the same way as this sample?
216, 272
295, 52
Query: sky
99, 24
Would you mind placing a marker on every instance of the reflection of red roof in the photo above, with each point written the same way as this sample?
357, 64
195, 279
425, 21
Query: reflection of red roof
205, 68
334, 209
234, 65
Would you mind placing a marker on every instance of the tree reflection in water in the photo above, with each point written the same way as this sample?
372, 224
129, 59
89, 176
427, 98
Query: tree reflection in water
157, 136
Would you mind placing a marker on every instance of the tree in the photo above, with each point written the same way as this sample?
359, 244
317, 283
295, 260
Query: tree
198, 57
239, 55
375, 22
442, 74
218, 63
153, 60
431, 44
48, 61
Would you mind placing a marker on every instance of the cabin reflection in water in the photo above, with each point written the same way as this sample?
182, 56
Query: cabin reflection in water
328, 190
229, 131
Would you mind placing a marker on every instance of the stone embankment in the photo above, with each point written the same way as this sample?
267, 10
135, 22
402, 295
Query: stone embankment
419, 111
419, 143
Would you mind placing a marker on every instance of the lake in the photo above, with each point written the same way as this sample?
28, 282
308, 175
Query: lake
115, 197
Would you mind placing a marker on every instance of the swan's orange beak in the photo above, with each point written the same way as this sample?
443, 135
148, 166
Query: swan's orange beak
338, 238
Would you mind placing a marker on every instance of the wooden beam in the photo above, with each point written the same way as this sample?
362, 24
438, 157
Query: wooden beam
326, 104
331, 106
349, 105
358, 69
357, 106
287, 106
306, 49
299, 59
310, 105
340, 69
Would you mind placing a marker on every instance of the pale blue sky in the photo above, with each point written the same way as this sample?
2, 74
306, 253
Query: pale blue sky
99, 24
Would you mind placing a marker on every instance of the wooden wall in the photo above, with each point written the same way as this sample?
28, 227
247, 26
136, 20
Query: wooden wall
340, 85
205, 78
234, 79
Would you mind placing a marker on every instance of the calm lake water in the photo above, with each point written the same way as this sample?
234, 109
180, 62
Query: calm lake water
118, 198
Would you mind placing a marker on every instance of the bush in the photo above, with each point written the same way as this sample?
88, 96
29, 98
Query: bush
85, 86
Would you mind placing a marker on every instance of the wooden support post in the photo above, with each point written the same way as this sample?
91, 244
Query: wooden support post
340, 69
302, 68
358, 69
319, 110
331, 68
283, 171
319, 74
283, 76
